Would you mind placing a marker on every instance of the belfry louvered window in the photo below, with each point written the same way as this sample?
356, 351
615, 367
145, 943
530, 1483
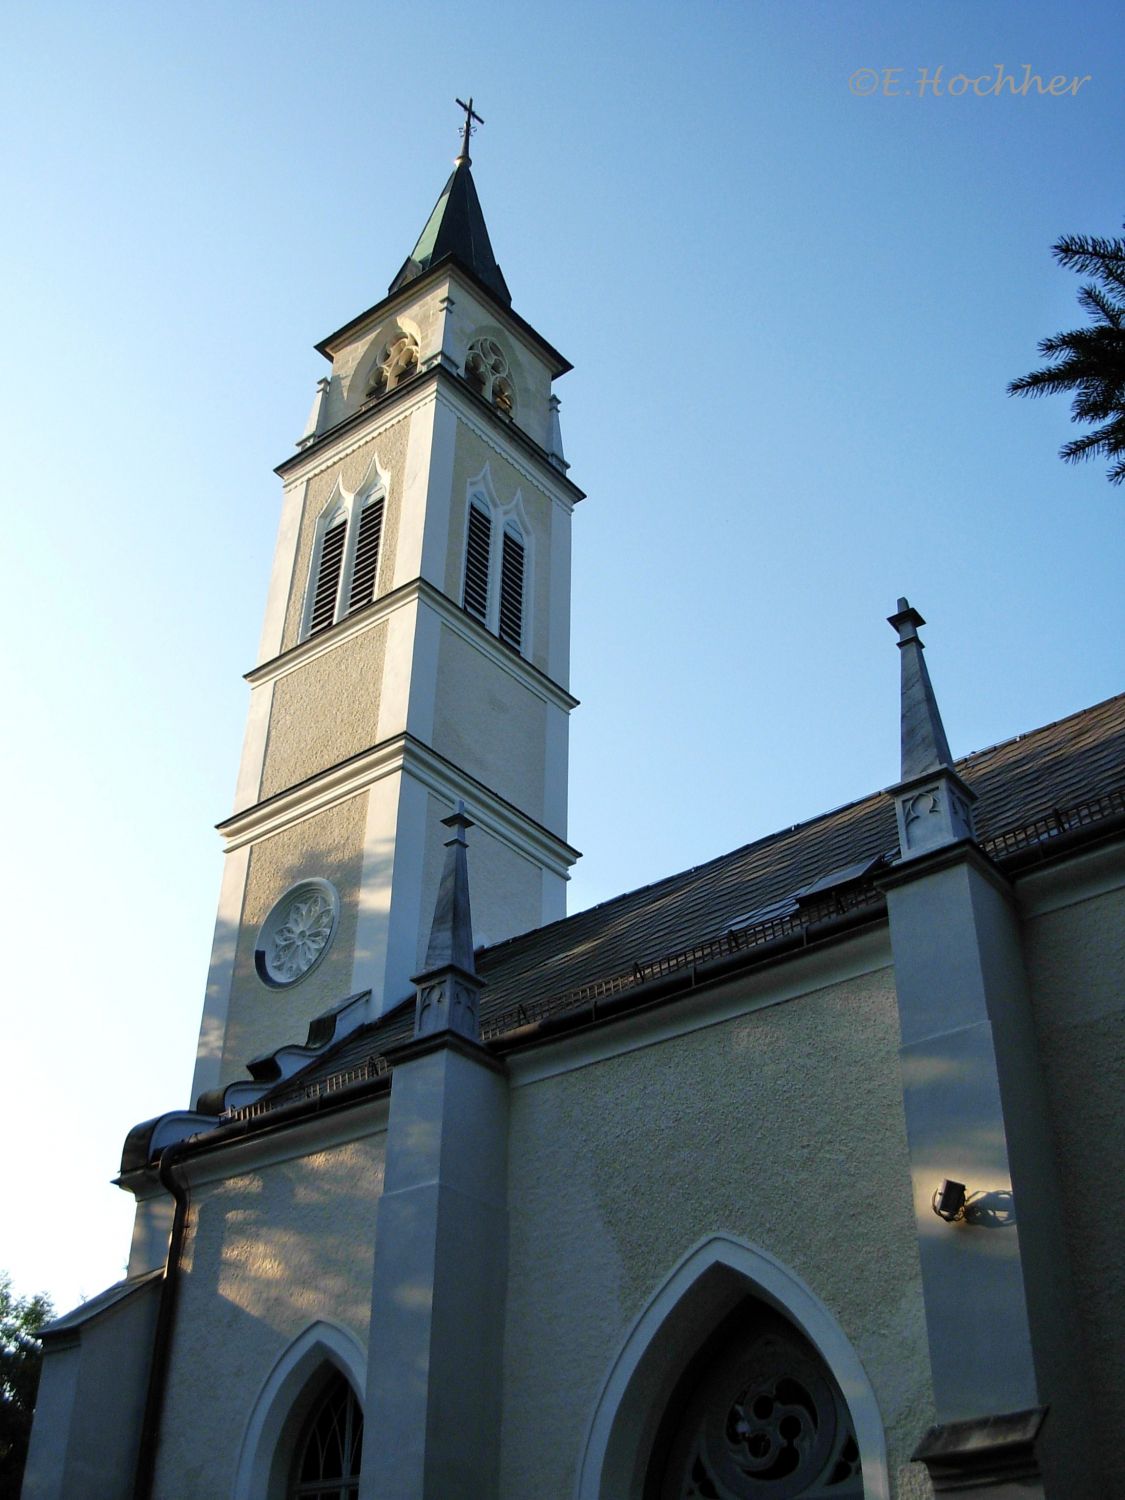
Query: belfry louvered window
511, 588
346, 563
328, 576
366, 564
477, 548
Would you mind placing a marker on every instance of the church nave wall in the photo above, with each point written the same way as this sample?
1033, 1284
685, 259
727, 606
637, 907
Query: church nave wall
1076, 965
782, 1127
268, 1252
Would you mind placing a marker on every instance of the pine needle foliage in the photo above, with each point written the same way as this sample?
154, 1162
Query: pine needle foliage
1089, 361
21, 1355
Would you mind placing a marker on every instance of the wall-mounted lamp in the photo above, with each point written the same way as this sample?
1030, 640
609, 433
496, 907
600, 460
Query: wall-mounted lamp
949, 1201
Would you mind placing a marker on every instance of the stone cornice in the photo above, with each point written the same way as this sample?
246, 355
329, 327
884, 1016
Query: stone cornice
419, 590
495, 814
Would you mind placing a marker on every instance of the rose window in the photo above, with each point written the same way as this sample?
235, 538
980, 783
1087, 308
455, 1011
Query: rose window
397, 363
763, 1421
486, 370
297, 932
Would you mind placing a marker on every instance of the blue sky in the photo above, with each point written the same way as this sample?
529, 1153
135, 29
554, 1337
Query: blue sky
792, 311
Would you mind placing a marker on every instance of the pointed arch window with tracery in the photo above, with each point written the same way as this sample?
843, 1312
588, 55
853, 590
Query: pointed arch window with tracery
397, 362
757, 1416
327, 1459
488, 372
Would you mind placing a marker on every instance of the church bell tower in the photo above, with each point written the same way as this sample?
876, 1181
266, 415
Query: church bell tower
414, 655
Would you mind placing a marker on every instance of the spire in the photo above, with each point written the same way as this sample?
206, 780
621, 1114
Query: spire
448, 987
933, 806
924, 745
456, 227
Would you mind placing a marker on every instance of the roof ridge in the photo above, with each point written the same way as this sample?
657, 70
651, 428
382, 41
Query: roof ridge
783, 832
1027, 734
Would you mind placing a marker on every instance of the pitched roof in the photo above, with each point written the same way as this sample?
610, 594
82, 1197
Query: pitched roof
456, 228
1030, 790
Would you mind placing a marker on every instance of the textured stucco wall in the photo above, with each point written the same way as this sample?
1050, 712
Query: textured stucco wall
328, 846
267, 1253
470, 456
490, 724
325, 711
1076, 966
783, 1127
389, 448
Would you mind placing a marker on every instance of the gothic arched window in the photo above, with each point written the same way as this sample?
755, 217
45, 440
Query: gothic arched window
487, 371
345, 561
397, 362
326, 1463
495, 572
756, 1416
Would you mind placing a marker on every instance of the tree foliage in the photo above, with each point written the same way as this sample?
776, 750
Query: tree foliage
1090, 361
21, 1355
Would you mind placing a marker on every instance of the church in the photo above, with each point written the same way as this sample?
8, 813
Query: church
793, 1176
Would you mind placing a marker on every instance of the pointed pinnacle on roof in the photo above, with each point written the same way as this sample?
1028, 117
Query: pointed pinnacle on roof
451, 936
448, 988
924, 745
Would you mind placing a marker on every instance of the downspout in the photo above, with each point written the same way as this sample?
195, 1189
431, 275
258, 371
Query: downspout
165, 1318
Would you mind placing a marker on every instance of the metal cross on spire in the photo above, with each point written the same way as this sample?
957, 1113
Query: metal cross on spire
470, 116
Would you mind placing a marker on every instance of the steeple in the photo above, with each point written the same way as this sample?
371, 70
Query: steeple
933, 805
416, 651
456, 227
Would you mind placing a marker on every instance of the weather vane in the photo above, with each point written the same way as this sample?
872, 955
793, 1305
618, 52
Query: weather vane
469, 129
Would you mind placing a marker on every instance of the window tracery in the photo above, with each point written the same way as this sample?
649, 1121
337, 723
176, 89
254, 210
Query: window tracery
327, 1460
397, 362
757, 1417
487, 371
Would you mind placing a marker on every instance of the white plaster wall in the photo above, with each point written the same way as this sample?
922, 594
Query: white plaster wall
488, 723
267, 1252
783, 1127
1076, 967
328, 846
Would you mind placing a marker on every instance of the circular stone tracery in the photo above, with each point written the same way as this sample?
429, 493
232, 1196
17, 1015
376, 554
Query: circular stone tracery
296, 934
486, 370
765, 1422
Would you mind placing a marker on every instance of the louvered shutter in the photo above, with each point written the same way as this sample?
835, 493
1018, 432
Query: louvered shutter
511, 591
366, 564
328, 577
476, 562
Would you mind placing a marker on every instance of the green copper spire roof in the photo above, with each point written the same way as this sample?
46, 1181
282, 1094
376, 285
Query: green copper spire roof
456, 228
